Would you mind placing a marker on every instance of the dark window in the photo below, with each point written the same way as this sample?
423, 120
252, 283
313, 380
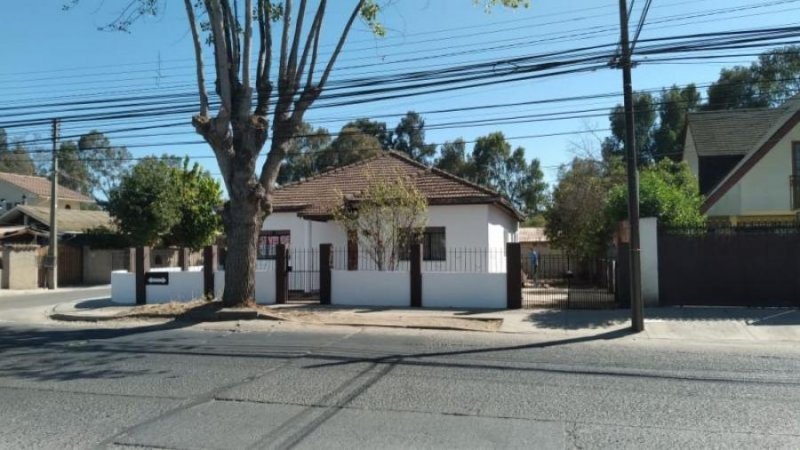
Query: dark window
268, 242
67, 207
434, 246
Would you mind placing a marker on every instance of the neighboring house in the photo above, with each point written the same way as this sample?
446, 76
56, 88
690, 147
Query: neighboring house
460, 214
34, 222
747, 162
35, 191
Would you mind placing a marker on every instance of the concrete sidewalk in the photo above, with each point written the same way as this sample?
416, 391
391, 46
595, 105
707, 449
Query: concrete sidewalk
695, 323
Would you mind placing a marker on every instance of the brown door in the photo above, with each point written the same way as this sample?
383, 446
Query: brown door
70, 265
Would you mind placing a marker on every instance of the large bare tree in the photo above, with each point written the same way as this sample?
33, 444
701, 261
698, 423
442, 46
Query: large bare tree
253, 101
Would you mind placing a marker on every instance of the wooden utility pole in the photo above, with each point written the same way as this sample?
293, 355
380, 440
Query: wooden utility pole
52, 250
637, 307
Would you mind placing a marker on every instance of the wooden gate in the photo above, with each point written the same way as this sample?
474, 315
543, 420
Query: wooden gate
70, 265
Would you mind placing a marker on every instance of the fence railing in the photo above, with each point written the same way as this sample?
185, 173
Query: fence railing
457, 260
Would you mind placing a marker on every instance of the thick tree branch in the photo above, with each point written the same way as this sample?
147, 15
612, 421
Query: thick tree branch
315, 53
233, 40
313, 35
287, 24
198, 56
339, 45
263, 84
216, 19
292, 68
248, 35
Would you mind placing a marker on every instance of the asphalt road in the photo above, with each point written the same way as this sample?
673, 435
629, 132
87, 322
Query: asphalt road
164, 386
27, 299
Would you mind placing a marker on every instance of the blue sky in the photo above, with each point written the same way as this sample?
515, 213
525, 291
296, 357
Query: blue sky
49, 53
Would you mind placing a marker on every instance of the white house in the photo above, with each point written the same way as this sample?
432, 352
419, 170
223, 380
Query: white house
460, 214
747, 162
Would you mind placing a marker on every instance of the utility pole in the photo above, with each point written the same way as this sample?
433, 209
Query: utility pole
52, 251
637, 307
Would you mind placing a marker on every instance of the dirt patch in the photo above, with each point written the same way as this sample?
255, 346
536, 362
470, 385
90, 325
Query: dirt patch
350, 317
205, 311
175, 310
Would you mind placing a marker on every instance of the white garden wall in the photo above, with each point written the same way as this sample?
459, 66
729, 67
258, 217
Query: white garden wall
184, 286
265, 286
371, 288
464, 290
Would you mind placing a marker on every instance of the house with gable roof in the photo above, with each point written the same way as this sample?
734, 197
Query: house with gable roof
747, 162
460, 214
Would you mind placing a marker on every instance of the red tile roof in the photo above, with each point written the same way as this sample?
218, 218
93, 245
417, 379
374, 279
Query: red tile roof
40, 187
320, 195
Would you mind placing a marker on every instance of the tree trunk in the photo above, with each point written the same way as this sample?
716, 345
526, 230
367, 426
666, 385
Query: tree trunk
242, 225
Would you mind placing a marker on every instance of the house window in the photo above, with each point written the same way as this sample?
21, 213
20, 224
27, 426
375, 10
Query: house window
268, 242
434, 245
796, 159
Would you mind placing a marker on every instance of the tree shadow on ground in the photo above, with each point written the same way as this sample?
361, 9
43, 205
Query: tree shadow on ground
573, 319
46, 354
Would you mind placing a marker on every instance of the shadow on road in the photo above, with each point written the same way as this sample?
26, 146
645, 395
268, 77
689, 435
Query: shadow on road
567, 319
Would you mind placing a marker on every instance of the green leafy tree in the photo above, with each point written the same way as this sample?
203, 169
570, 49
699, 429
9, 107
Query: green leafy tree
770, 81
200, 200
17, 159
644, 120
303, 158
674, 105
91, 166
452, 158
409, 138
105, 163
387, 217
350, 146
146, 205
667, 190
72, 171
161, 201
575, 219
372, 128
248, 109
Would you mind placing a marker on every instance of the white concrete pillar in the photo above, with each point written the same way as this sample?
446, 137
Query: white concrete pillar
648, 233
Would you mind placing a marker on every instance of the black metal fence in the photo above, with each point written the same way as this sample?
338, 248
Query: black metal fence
303, 270
563, 281
456, 260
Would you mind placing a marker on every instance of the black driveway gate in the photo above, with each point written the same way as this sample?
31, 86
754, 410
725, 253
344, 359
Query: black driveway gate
566, 282
754, 265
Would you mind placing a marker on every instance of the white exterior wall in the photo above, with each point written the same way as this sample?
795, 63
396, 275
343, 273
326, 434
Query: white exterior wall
690, 154
123, 287
371, 288
764, 189
468, 227
464, 290
502, 230
13, 195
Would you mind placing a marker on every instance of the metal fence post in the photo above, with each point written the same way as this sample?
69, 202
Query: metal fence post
325, 276
281, 274
513, 275
183, 258
210, 263
416, 275
142, 267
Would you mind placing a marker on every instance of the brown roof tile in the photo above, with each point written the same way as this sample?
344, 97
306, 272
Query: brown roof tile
320, 195
41, 187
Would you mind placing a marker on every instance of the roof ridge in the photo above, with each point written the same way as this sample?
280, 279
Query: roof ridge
332, 170
444, 173
736, 110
